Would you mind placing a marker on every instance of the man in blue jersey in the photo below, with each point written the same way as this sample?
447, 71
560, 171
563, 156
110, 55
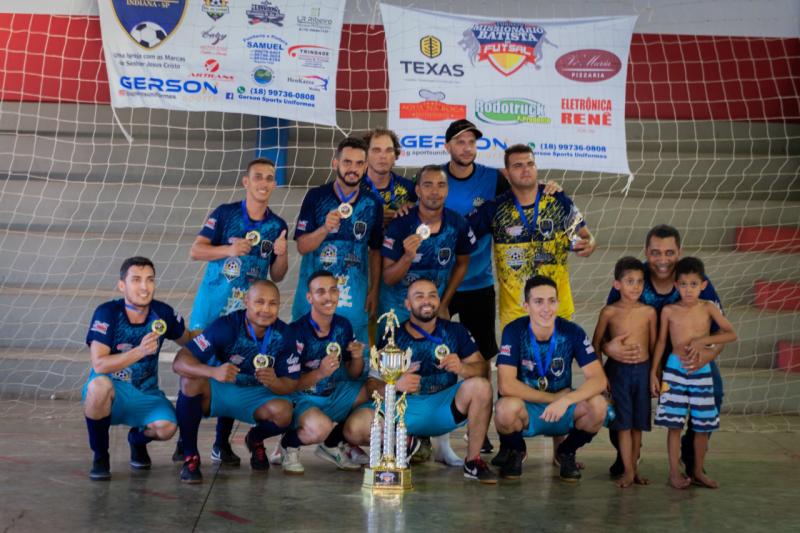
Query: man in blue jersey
331, 361
534, 377
663, 250
383, 149
445, 384
253, 383
242, 242
339, 229
125, 338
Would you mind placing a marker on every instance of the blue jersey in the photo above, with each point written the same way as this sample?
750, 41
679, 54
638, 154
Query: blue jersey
432, 378
111, 327
435, 259
227, 340
464, 195
226, 280
571, 343
344, 253
397, 193
311, 348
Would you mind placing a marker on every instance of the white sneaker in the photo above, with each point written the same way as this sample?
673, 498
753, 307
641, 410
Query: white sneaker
443, 452
291, 462
275, 458
337, 456
356, 454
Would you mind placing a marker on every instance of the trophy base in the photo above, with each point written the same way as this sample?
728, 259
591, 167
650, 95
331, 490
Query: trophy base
387, 479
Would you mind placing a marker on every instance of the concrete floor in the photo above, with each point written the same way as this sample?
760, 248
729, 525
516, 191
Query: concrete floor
44, 458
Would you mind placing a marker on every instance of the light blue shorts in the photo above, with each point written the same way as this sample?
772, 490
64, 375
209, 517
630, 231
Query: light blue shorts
241, 403
537, 426
135, 408
429, 415
337, 406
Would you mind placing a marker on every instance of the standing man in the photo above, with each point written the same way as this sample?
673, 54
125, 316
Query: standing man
445, 384
534, 376
242, 242
383, 149
339, 229
662, 251
253, 383
124, 340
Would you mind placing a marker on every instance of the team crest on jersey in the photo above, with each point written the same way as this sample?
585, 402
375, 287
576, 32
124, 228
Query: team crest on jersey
444, 256
507, 46
546, 227
302, 225
557, 366
202, 342
149, 23
211, 223
232, 268
359, 229
328, 255
266, 249
236, 359
123, 375
505, 349
515, 257
100, 327
388, 242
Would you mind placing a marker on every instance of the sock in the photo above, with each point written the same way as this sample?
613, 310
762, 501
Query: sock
335, 437
512, 441
264, 430
98, 436
575, 439
190, 411
137, 437
224, 429
291, 439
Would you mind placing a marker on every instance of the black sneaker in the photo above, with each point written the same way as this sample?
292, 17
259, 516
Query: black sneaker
478, 469
569, 467
501, 457
177, 455
140, 459
414, 445
190, 473
101, 471
224, 455
258, 454
512, 468
424, 453
487, 445
617, 469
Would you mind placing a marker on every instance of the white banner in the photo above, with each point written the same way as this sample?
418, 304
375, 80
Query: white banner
270, 58
558, 85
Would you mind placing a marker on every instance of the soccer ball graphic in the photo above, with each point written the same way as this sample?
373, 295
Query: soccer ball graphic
148, 34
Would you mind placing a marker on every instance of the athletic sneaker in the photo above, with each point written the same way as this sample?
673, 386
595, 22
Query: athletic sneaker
275, 457
487, 445
569, 467
356, 454
290, 461
502, 456
512, 467
258, 454
140, 459
101, 471
177, 455
478, 469
190, 473
224, 454
424, 452
337, 456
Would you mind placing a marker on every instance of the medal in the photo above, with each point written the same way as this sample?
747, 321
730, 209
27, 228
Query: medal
345, 210
253, 237
542, 383
159, 327
334, 349
541, 367
441, 351
424, 231
263, 361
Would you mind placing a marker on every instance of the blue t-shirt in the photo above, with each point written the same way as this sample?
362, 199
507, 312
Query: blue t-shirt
344, 253
227, 340
311, 348
435, 259
397, 193
464, 195
434, 379
110, 326
571, 343
226, 280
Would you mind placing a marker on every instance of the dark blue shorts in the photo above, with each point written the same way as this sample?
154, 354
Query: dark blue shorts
630, 390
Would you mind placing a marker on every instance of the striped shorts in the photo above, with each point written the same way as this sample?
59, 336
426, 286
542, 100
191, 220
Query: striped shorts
686, 396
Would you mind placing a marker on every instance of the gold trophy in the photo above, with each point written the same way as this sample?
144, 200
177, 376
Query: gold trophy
388, 463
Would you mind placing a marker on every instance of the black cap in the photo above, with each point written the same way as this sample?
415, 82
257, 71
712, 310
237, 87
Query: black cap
457, 127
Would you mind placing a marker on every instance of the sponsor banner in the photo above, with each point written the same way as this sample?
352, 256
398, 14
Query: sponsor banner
274, 58
556, 85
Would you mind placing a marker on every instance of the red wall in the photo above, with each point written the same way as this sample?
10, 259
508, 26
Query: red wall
60, 59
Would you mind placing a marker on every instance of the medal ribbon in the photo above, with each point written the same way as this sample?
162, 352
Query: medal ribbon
437, 340
377, 191
151, 315
262, 348
531, 227
249, 225
345, 198
317, 328
537, 354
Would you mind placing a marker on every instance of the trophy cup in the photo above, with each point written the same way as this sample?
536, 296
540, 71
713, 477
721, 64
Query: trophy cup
388, 463
571, 227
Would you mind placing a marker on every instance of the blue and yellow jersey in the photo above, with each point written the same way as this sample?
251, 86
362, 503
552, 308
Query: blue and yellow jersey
396, 194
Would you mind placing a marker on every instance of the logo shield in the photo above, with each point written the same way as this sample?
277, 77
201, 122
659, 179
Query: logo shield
149, 25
